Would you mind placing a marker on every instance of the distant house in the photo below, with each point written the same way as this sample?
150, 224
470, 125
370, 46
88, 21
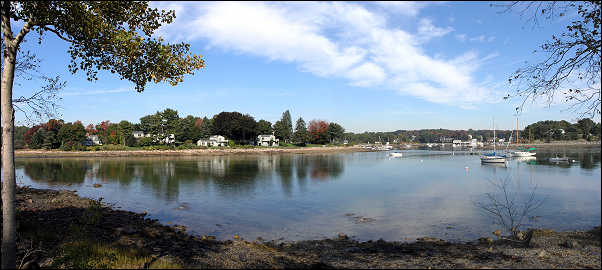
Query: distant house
92, 140
138, 134
267, 140
171, 138
215, 140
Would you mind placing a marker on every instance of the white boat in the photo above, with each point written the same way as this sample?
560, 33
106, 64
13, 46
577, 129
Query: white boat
559, 159
522, 154
395, 154
493, 158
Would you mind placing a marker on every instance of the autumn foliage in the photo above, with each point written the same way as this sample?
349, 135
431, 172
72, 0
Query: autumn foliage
318, 131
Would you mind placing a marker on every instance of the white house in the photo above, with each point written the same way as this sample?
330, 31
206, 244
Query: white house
92, 140
138, 134
267, 140
215, 140
171, 138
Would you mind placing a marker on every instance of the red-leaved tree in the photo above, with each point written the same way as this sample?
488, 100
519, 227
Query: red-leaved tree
318, 131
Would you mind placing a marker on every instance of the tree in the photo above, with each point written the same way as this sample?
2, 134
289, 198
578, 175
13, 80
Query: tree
300, 137
571, 59
113, 36
335, 132
586, 126
318, 131
72, 133
125, 130
235, 126
264, 127
206, 127
283, 129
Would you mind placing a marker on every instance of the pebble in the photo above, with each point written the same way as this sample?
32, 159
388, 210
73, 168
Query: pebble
97, 185
542, 254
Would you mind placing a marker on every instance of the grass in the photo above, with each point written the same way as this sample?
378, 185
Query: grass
85, 254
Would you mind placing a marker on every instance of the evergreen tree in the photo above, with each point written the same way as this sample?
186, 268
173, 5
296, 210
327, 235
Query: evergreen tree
283, 129
300, 137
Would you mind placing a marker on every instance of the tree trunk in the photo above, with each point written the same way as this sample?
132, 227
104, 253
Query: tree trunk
9, 219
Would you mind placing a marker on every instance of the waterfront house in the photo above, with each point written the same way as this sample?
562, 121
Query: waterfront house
92, 140
138, 134
215, 140
202, 142
267, 140
171, 138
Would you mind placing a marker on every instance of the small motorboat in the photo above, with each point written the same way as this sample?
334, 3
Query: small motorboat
395, 154
559, 159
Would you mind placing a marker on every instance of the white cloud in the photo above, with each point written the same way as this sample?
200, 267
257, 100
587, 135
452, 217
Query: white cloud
461, 37
335, 39
406, 8
427, 31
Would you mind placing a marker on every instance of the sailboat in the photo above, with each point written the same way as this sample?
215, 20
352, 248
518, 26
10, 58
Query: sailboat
493, 157
522, 152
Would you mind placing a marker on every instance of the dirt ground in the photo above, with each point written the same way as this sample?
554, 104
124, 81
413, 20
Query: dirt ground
49, 220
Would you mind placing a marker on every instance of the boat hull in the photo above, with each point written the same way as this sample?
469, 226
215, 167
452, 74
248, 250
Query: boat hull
493, 159
522, 154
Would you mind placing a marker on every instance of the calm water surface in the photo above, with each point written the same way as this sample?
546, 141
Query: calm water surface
296, 196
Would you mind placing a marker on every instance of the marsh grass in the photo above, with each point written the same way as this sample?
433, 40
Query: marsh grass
85, 254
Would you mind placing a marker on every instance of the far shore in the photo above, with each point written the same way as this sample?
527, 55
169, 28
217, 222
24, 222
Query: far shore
184, 152
41, 153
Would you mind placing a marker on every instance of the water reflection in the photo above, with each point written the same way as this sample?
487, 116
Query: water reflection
507, 206
229, 175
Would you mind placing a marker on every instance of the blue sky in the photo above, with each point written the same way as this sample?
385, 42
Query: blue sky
369, 66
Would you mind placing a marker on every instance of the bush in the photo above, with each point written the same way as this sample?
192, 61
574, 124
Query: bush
72, 146
145, 141
131, 141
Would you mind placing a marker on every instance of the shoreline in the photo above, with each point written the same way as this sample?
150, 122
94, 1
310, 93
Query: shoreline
76, 232
184, 152
236, 151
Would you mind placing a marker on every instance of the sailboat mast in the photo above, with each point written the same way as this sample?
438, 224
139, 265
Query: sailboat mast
494, 135
517, 129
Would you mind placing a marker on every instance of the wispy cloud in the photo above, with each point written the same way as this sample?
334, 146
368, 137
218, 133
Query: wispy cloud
336, 39
97, 92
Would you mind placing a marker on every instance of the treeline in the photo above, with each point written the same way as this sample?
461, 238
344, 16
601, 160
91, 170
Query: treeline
239, 128
543, 130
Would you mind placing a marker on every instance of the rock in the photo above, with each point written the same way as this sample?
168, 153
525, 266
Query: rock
569, 243
97, 185
519, 235
349, 214
497, 233
31, 265
179, 228
486, 240
126, 229
236, 237
30, 201
542, 254
364, 220
260, 239
353, 250
429, 239
211, 237
342, 236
